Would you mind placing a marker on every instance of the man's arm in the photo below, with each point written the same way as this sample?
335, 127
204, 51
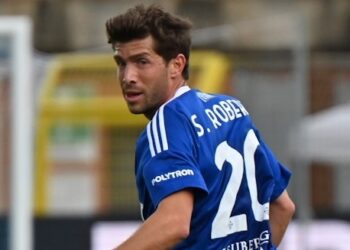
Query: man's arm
281, 212
166, 227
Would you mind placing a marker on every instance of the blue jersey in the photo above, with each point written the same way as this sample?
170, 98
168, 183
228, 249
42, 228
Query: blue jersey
207, 143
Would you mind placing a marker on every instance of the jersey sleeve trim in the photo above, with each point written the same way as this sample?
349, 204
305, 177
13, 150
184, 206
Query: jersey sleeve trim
156, 133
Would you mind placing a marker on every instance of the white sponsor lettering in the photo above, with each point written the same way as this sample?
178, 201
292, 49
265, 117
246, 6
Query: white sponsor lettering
252, 244
171, 175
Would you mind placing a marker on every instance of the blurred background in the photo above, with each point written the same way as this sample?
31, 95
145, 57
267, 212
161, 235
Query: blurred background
288, 61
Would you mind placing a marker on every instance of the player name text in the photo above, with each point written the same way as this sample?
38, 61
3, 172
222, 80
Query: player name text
219, 114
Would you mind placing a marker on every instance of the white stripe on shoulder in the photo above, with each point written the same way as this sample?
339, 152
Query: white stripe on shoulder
162, 128
155, 133
150, 140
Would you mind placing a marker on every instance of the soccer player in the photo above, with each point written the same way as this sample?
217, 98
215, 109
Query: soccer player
205, 177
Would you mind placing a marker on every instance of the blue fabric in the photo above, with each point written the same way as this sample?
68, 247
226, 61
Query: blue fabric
208, 143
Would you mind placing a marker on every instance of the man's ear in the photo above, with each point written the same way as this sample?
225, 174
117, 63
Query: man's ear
177, 65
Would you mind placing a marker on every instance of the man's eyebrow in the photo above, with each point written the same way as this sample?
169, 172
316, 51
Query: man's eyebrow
143, 54
132, 57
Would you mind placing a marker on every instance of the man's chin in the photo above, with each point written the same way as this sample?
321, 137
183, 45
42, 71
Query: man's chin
135, 111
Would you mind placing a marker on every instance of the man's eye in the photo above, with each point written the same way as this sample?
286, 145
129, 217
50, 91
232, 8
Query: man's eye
142, 61
120, 64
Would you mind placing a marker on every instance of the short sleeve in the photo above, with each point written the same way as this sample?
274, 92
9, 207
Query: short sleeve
174, 167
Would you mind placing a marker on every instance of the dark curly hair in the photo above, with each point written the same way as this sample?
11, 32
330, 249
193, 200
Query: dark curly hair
170, 33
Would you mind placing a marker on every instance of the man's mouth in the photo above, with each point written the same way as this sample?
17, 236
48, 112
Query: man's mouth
132, 96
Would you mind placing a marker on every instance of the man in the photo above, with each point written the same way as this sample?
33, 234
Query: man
206, 179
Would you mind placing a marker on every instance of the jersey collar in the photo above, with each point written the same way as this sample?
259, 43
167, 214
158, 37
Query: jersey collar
182, 90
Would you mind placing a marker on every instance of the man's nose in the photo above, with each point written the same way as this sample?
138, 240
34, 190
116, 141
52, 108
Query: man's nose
129, 74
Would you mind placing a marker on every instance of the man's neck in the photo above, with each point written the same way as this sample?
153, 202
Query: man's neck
179, 91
